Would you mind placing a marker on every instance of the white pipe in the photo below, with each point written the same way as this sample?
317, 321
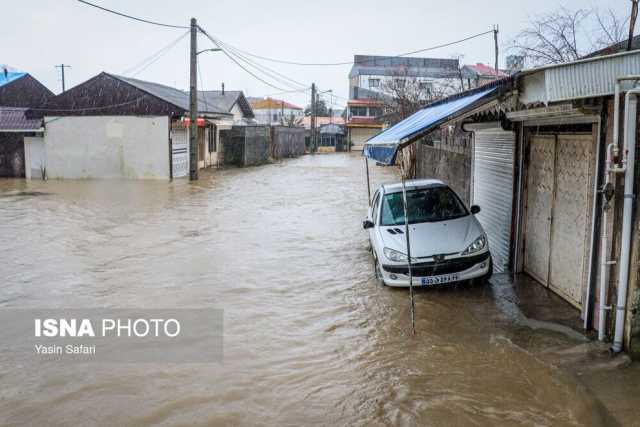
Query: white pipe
604, 254
630, 119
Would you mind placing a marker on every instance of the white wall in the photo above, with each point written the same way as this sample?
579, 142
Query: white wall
107, 147
34, 157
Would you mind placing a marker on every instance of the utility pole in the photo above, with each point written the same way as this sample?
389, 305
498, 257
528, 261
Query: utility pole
193, 103
313, 117
62, 67
495, 42
632, 22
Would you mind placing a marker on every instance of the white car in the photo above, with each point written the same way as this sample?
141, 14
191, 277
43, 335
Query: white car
447, 242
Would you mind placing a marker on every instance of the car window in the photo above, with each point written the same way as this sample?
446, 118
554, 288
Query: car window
376, 207
424, 205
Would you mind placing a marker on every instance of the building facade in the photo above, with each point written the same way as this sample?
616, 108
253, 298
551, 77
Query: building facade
373, 79
276, 112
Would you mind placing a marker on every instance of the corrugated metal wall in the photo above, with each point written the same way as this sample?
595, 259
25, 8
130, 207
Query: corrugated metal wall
493, 157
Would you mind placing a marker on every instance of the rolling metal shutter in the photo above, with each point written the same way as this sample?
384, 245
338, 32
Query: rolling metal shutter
493, 157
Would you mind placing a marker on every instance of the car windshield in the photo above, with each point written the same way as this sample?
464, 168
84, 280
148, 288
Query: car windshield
424, 205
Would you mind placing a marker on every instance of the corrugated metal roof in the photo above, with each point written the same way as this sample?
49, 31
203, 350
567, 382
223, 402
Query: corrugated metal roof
384, 146
585, 78
14, 119
175, 96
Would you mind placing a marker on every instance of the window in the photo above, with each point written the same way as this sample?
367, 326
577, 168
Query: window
375, 111
426, 86
374, 82
275, 117
424, 205
376, 208
212, 139
358, 111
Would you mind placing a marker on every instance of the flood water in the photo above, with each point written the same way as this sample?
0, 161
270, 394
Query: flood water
309, 337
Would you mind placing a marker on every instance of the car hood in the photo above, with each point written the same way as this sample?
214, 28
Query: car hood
433, 238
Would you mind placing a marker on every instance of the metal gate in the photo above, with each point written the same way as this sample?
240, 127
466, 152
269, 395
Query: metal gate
558, 215
493, 190
179, 152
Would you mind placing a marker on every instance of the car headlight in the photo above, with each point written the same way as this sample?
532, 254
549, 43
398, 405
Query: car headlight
394, 255
479, 244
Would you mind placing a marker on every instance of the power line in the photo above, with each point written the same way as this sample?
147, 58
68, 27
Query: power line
262, 67
363, 61
132, 17
53, 109
238, 63
152, 59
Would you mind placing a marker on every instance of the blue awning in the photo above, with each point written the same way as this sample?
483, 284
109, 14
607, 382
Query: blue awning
384, 146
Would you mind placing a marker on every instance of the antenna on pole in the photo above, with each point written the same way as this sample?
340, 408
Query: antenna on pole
62, 67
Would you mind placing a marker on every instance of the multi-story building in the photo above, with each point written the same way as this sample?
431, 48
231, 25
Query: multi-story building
372, 78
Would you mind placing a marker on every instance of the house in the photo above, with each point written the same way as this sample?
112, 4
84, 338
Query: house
18, 91
274, 112
363, 120
549, 156
331, 138
480, 74
119, 127
320, 121
231, 101
371, 79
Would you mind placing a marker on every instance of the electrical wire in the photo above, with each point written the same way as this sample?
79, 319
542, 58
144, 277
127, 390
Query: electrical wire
281, 61
54, 109
239, 64
204, 95
152, 59
132, 17
259, 66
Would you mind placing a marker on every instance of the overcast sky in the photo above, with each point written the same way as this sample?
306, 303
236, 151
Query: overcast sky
38, 34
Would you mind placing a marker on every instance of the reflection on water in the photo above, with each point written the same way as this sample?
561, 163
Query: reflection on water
309, 336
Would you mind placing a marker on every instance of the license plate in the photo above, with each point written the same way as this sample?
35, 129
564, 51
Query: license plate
436, 280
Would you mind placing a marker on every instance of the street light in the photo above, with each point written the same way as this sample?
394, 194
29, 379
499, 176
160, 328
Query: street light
209, 50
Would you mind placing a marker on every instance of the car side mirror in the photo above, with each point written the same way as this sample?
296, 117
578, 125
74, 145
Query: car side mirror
367, 224
475, 209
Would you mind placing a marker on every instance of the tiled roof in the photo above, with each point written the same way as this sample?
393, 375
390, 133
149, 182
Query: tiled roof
13, 119
306, 121
483, 70
271, 103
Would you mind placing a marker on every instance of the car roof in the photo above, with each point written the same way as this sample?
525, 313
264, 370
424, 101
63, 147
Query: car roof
412, 184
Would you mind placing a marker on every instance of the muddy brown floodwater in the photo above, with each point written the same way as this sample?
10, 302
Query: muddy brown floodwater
309, 337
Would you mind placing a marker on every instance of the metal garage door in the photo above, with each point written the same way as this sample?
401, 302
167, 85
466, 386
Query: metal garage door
558, 215
493, 190
179, 152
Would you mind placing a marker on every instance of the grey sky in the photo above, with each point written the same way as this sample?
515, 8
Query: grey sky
37, 34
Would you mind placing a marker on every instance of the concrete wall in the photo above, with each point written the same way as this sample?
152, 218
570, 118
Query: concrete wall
107, 147
12, 155
447, 156
34, 157
287, 142
244, 146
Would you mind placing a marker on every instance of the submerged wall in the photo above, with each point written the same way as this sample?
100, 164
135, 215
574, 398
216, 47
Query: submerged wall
132, 147
446, 156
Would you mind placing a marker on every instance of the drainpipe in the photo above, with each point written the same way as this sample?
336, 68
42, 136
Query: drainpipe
604, 254
628, 164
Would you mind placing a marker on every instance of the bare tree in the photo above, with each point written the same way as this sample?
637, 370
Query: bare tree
612, 28
565, 35
291, 121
